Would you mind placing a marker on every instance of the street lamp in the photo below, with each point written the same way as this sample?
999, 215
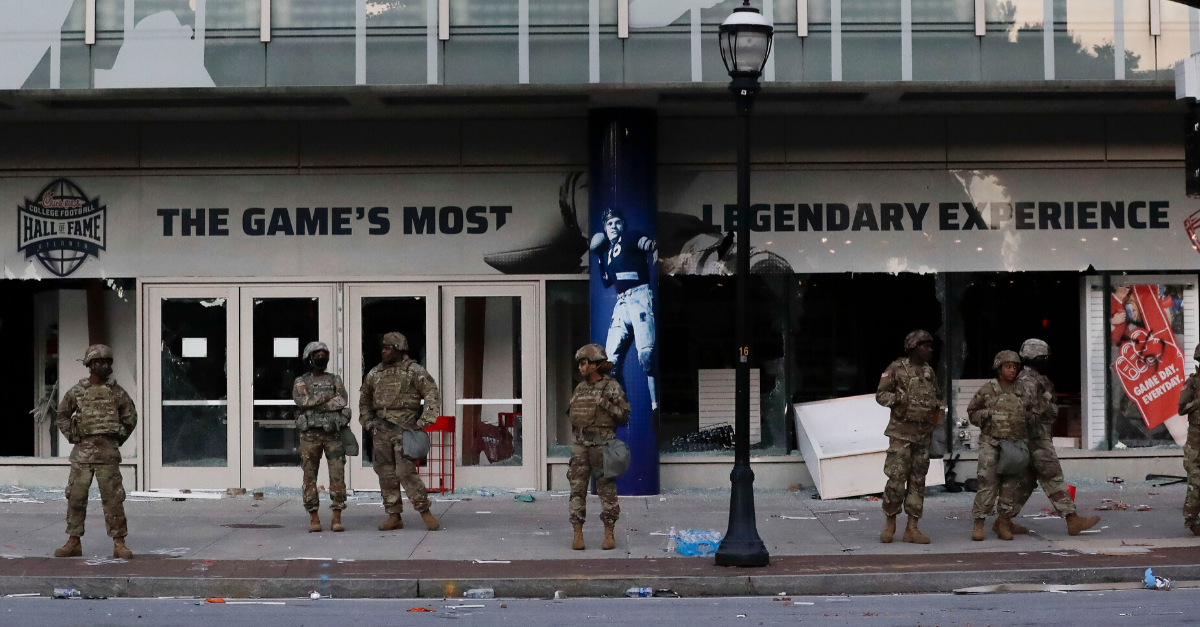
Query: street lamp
745, 44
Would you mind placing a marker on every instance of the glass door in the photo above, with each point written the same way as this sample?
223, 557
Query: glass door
488, 335
374, 310
277, 322
192, 419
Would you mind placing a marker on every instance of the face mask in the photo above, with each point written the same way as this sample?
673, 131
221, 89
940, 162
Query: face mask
319, 362
100, 368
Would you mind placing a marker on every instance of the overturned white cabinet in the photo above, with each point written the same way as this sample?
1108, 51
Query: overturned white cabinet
844, 447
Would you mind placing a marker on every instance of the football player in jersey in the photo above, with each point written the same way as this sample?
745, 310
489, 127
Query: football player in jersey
626, 260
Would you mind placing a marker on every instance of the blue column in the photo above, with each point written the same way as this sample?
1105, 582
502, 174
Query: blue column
622, 226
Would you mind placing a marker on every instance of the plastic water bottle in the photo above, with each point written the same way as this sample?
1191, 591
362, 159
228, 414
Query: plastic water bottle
672, 540
66, 593
480, 593
639, 593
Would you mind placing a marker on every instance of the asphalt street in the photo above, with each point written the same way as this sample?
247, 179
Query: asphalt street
1090, 609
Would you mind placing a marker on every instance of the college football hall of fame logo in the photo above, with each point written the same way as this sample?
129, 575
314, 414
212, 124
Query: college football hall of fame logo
62, 227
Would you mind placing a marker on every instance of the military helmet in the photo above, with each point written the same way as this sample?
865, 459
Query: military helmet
611, 213
1034, 348
916, 337
591, 352
1004, 357
97, 351
313, 347
396, 341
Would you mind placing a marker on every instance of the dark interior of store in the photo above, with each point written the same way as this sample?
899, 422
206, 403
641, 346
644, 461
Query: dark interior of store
17, 367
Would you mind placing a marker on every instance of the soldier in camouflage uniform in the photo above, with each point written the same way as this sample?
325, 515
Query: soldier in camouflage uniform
1001, 413
390, 403
97, 416
597, 408
1189, 405
910, 388
1038, 392
321, 397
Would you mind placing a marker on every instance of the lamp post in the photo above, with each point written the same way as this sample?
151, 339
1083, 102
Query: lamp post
745, 44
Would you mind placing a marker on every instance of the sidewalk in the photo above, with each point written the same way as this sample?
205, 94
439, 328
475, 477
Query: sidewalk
241, 547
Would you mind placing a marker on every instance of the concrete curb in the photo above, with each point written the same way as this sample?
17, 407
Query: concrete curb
742, 584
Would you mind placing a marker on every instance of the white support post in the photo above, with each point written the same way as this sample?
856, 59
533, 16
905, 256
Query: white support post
264, 21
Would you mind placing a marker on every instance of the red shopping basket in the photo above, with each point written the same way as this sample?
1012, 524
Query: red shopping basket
438, 469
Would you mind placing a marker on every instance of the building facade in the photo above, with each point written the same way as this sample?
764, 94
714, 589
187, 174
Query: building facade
209, 185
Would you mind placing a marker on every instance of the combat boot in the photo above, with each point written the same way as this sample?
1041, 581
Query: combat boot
431, 523
71, 549
609, 542
336, 523
1004, 528
577, 542
393, 522
1195, 529
314, 522
1015, 528
977, 529
120, 551
1077, 524
889, 530
913, 534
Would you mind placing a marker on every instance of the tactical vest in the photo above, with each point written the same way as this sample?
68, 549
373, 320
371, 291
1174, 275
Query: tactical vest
396, 398
318, 418
1008, 421
585, 406
923, 402
97, 413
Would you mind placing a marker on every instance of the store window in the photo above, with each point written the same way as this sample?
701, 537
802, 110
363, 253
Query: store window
567, 328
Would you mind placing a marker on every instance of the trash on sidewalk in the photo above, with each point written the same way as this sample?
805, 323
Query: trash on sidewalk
558, 595
1042, 587
67, 593
258, 496
798, 517
421, 609
23, 594
851, 519
175, 494
492, 561
314, 595
308, 559
467, 607
524, 498
1144, 508
666, 592
100, 561
235, 491
639, 593
1115, 480
480, 593
176, 552
1158, 583
214, 600
693, 542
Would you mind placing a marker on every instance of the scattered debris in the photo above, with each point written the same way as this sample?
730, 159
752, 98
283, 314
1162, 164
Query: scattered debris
493, 561
1158, 583
100, 561
666, 592
175, 494
541, 533
235, 491
254, 603
558, 594
214, 600
258, 496
1144, 508
177, 552
476, 606
308, 559
314, 595
24, 594
692, 542
1115, 480
67, 593
851, 519
448, 500
798, 517
421, 609
485, 512
851, 548
639, 593
870, 498
480, 593
524, 498
20, 500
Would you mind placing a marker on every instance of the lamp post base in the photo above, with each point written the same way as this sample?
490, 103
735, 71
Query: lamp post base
741, 545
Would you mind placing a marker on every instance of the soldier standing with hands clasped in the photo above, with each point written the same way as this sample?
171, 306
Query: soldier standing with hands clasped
597, 407
321, 397
1189, 405
398, 396
909, 387
97, 416
1000, 412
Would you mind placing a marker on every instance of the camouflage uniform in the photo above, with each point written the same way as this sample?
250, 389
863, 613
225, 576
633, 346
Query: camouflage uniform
1000, 413
913, 395
596, 408
1189, 405
1038, 392
97, 419
388, 404
322, 401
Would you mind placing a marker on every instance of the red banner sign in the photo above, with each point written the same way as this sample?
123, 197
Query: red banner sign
1150, 364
